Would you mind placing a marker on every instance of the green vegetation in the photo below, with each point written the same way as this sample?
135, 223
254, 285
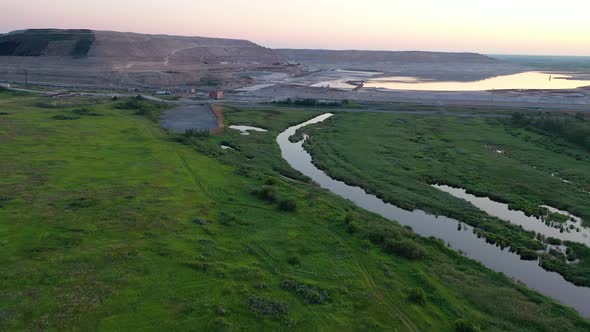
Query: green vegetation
417, 296
572, 129
462, 325
397, 157
316, 103
35, 42
144, 107
110, 223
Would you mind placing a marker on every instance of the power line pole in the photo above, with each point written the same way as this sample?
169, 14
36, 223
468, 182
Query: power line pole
26, 79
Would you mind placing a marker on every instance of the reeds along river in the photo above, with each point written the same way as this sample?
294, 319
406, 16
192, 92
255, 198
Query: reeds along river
446, 229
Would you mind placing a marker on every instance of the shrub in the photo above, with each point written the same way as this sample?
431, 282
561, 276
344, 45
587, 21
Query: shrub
4, 201
528, 255
417, 296
82, 203
307, 102
226, 218
404, 248
309, 293
265, 307
270, 182
554, 241
197, 133
149, 109
86, 112
287, 204
294, 260
266, 193
461, 325
220, 324
65, 117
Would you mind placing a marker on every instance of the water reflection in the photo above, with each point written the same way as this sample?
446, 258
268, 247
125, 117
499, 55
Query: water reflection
566, 230
245, 130
460, 238
525, 81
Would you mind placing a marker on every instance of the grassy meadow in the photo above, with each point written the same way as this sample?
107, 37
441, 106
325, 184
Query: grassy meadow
398, 156
107, 222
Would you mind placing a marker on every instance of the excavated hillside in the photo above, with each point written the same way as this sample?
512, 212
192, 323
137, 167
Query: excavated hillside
427, 65
106, 58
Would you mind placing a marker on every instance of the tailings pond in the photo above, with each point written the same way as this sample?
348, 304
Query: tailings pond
447, 229
521, 81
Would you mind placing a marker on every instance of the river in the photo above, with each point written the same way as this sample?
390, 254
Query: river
446, 229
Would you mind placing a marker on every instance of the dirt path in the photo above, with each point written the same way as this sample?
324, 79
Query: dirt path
173, 53
189, 170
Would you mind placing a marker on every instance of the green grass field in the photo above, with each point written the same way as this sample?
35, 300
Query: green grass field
398, 156
109, 223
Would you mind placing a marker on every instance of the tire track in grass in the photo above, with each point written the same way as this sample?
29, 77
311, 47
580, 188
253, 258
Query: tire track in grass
373, 286
189, 170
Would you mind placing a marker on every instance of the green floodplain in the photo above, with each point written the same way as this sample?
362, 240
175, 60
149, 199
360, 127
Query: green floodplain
398, 157
107, 222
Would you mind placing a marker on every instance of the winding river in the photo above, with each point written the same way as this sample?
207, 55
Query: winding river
460, 238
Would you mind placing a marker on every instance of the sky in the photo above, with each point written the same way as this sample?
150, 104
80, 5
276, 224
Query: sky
544, 27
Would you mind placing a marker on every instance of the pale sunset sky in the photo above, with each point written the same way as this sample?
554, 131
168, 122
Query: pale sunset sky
491, 27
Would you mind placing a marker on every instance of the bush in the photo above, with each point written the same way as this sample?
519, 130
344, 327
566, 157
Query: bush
461, 325
287, 204
65, 117
85, 112
309, 293
226, 218
404, 248
266, 193
309, 102
417, 296
149, 109
197, 133
265, 307
270, 182
294, 260
528, 255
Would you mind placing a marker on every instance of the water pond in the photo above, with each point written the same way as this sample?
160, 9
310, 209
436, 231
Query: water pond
522, 81
245, 130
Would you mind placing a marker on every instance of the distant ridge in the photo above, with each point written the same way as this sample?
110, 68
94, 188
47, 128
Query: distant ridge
381, 56
462, 66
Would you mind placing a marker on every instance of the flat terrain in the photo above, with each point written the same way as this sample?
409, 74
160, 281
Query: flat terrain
109, 223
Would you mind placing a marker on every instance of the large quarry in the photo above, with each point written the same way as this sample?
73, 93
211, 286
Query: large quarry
89, 59
106, 59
